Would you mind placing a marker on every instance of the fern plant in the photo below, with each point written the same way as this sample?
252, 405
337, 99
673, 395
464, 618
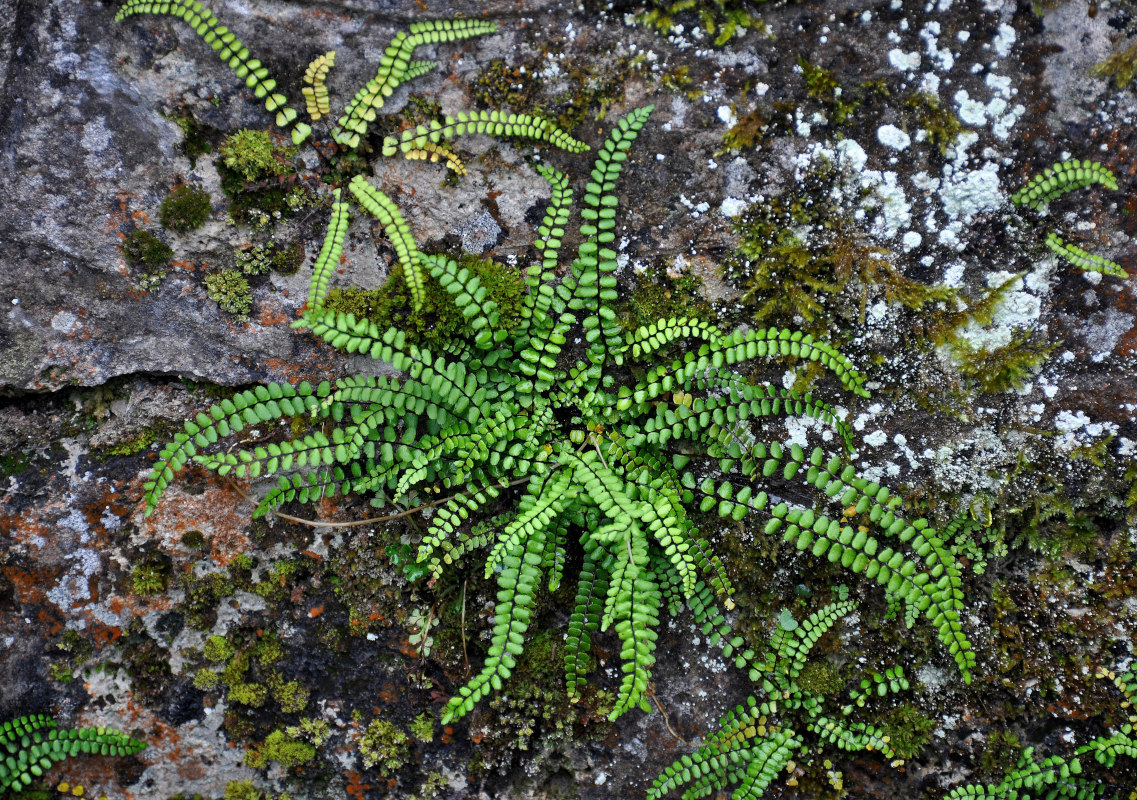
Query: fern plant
758, 739
579, 448
1052, 183
32, 745
1055, 776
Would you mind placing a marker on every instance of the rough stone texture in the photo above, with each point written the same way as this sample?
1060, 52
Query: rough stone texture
96, 373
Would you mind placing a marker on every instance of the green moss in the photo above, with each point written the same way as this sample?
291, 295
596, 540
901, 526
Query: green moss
138, 442
202, 594
230, 289
315, 731
218, 649
268, 650
150, 577
722, 19
821, 678
499, 85
194, 144
747, 132
820, 84
194, 540
143, 247
439, 319
252, 155
800, 255
422, 727
420, 109
1004, 368
237, 668
593, 87
185, 208
259, 259
15, 462
1121, 67
432, 786
287, 258
384, 746
1001, 754
657, 295
278, 746
908, 730
242, 562
242, 790
253, 695
290, 696
943, 126
206, 679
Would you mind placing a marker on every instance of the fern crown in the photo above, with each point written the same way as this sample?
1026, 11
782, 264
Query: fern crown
594, 438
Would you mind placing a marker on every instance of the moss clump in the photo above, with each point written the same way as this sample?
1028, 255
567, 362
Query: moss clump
201, 598
259, 259
14, 463
185, 208
230, 289
721, 19
1120, 66
194, 540
218, 649
242, 790
942, 125
801, 255
138, 442
143, 247
593, 87
1001, 754
422, 727
278, 746
150, 577
252, 156
249, 156
747, 132
253, 695
658, 294
289, 695
439, 320
821, 678
820, 84
383, 745
908, 730
315, 731
1005, 368
206, 679
194, 144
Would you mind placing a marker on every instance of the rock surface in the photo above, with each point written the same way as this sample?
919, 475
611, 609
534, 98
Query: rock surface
98, 368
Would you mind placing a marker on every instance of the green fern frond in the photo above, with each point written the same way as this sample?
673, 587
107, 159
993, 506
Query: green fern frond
396, 67
250, 407
315, 88
31, 745
592, 588
398, 231
591, 285
327, 262
230, 50
471, 299
1062, 177
1088, 262
493, 123
518, 581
